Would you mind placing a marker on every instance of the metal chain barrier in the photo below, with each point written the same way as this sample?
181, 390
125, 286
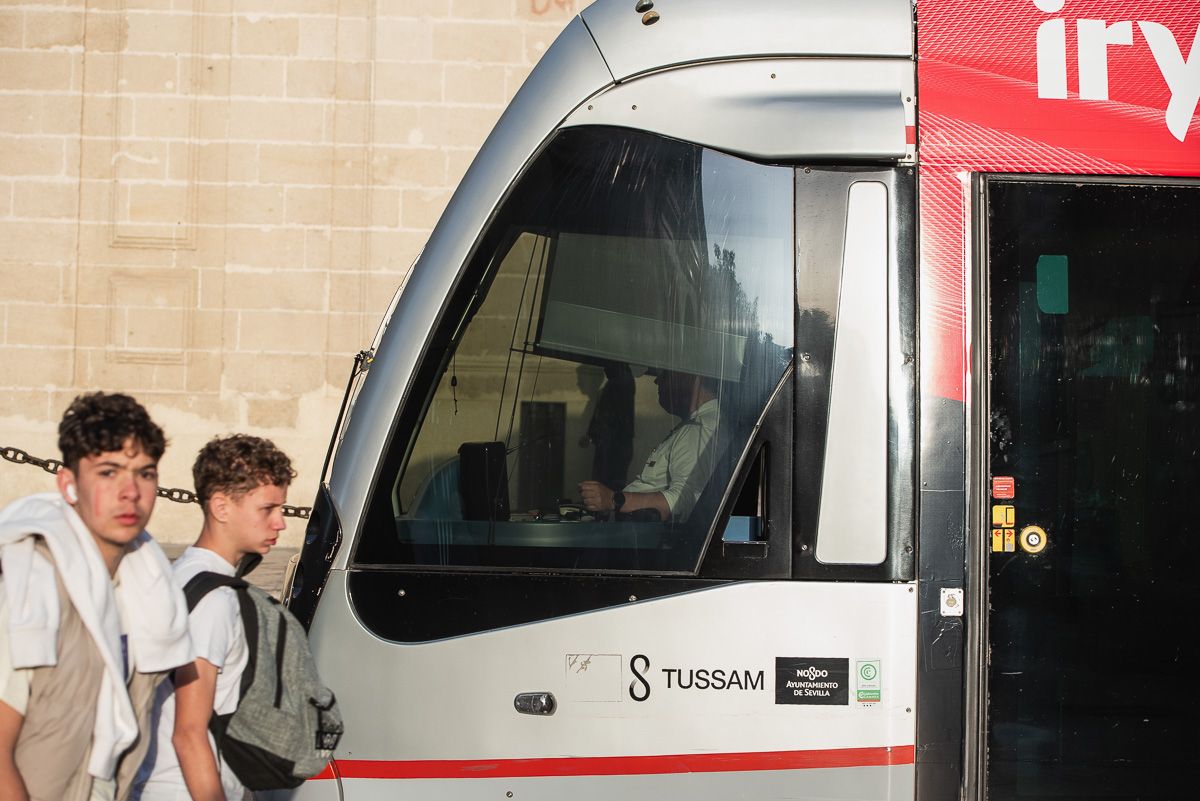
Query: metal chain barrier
52, 466
19, 456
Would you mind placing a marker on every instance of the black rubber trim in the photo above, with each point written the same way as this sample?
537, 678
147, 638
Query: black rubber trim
420, 606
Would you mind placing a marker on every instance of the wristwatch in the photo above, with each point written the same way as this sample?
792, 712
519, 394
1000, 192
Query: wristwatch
618, 500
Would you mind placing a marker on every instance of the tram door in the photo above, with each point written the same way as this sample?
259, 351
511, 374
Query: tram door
1092, 520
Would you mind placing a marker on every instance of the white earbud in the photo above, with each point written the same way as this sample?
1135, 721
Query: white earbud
72, 495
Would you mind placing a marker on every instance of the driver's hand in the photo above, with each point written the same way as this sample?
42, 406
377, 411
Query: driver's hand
596, 497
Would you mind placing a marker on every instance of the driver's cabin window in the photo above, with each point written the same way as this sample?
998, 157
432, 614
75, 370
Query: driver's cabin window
630, 313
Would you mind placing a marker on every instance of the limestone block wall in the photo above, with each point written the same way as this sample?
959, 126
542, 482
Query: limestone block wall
209, 203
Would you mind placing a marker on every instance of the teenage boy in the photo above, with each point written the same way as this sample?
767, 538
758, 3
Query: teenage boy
242, 484
90, 621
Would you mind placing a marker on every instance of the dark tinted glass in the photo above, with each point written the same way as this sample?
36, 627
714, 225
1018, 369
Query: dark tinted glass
1095, 413
631, 314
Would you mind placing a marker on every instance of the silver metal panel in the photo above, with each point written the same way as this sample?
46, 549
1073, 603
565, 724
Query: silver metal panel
852, 526
889, 783
773, 108
704, 30
569, 72
453, 698
448, 700
319, 790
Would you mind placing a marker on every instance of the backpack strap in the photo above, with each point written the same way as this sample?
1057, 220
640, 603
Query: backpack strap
194, 591
202, 584
248, 563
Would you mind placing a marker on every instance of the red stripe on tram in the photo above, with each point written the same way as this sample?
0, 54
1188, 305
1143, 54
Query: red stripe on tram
621, 765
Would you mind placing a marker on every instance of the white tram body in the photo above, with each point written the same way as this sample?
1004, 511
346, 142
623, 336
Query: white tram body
931, 276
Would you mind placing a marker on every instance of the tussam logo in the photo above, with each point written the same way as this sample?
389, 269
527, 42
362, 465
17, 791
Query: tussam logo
1094, 38
812, 673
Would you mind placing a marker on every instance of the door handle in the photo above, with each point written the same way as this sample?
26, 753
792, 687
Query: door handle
535, 703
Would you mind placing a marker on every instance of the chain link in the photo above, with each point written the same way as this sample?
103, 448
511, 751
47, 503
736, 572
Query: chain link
52, 466
19, 456
302, 512
178, 495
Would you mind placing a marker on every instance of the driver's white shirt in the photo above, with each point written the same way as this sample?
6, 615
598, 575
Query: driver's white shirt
680, 466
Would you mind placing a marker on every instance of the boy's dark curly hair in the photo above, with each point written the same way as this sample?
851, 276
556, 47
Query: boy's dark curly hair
237, 464
101, 422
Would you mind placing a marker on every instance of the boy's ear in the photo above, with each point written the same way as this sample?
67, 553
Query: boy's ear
65, 479
218, 507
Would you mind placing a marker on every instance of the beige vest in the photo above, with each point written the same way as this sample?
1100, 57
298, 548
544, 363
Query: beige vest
54, 745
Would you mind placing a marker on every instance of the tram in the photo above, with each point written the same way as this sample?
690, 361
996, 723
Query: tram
796, 400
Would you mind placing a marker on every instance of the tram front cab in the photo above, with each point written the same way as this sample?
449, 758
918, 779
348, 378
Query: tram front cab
683, 263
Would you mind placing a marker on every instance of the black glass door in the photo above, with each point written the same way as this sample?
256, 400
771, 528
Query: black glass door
1094, 535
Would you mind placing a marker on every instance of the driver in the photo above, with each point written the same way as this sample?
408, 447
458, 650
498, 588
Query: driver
677, 469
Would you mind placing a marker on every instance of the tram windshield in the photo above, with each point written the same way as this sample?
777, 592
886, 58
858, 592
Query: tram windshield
628, 316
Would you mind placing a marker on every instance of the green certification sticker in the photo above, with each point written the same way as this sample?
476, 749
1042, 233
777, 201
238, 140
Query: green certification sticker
869, 684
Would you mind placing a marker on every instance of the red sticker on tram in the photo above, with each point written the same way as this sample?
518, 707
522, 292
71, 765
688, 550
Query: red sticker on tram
1004, 487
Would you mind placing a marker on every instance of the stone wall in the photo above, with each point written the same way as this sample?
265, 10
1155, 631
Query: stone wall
209, 203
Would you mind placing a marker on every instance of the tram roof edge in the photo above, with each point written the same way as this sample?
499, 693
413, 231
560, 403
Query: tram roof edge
688, 31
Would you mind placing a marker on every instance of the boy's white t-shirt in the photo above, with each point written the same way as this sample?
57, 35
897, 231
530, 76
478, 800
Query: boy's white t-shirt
219, 638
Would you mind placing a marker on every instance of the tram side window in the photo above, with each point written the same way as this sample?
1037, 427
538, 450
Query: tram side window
631, 315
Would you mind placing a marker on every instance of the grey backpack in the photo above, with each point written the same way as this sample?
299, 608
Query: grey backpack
287, 723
